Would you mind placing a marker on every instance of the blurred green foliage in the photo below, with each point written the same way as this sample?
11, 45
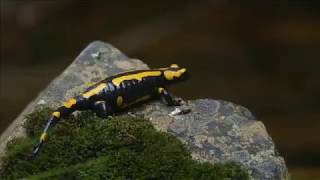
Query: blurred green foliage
88, 147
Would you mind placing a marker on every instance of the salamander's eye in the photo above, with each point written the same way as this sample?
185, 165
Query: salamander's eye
174, 66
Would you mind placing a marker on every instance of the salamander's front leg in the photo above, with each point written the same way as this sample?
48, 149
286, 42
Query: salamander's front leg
102, 109
168, 98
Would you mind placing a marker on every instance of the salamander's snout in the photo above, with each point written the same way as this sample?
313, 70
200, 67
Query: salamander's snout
184, 74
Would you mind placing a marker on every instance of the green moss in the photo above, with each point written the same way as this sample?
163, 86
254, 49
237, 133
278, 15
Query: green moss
88, 147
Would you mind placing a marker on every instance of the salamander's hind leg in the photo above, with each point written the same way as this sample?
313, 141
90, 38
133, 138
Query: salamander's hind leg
102, 109
168, 98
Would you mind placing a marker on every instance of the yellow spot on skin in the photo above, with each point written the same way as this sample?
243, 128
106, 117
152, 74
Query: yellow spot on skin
160, 90
44, 137
95, 90
170, 75
70, 103
117, 81
174, 65
56, 114
183, 70
119, 101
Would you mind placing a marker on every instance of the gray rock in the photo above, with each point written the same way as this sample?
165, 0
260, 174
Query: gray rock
220, 131
214, 130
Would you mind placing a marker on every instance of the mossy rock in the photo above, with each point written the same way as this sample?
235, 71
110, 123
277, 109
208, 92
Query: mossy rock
88, 147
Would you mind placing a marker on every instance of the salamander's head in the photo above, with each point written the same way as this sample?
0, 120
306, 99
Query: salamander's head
174, 73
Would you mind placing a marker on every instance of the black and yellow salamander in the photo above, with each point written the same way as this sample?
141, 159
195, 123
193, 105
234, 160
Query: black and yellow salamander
115, 93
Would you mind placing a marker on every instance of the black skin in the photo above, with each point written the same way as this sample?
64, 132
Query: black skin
104, 102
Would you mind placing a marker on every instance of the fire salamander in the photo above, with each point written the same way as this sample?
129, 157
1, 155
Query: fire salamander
115, 93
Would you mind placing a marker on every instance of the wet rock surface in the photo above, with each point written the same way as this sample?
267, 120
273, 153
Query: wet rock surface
214, 130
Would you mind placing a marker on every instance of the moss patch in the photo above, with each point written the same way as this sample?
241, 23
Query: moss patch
88, 147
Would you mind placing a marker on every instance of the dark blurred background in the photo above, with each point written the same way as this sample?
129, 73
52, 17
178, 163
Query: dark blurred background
262, 55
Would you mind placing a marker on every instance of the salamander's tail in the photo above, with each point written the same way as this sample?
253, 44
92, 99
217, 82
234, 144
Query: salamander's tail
36, 149
61, 112
44, 136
